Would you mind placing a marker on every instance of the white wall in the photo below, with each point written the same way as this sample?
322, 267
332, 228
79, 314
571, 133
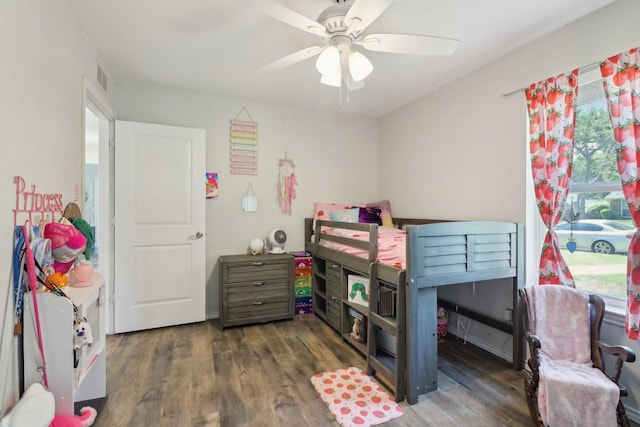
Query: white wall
333, 157
461, 153
448, 133
44, 58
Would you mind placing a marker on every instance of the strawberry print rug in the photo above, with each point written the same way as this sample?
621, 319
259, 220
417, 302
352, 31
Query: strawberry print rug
354, 398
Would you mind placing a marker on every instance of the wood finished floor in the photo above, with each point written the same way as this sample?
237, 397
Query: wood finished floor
196, 375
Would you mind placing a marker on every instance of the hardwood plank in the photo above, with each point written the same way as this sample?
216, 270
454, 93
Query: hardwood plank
176, 401
129, 358
204, 411
259, 375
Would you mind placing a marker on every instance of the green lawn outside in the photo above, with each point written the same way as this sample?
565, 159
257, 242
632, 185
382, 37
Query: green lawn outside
610, 280
592, 258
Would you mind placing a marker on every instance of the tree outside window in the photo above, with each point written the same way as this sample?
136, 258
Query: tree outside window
595, 200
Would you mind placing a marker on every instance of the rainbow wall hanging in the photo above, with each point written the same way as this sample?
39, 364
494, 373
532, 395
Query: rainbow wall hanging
243, 138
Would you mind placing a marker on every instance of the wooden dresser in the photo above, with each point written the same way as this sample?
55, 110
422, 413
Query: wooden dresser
256, 288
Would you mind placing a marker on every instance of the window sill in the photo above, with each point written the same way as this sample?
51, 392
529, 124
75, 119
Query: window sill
615, 311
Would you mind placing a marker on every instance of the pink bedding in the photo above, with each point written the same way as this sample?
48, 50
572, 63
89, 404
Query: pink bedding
392, 249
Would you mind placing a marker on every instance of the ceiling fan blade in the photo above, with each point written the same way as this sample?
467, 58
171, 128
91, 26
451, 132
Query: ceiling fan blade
409, 43
364, 12
292, 18
291, 59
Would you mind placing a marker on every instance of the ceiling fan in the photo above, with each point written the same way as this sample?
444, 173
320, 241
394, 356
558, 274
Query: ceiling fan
342, 27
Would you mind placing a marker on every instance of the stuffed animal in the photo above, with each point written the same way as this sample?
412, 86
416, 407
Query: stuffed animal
82, 334
67, 242
85, 419
35, 408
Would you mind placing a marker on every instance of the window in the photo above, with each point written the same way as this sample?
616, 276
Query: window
596, 217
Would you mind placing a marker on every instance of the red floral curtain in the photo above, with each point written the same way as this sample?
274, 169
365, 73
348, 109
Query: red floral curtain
621, 79
552, 119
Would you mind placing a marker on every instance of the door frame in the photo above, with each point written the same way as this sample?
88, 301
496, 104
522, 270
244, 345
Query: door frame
94, 99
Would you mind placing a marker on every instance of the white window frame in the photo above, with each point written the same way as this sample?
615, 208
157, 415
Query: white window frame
536, 230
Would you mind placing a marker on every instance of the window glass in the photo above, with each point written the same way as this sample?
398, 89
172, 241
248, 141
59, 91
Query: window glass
596, 217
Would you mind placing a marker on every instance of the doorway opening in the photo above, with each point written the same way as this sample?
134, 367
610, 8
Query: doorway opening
92, 180
97, 200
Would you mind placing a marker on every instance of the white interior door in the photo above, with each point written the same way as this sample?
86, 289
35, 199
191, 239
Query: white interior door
159, 226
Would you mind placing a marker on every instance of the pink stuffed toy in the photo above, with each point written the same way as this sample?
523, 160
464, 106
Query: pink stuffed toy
36, 407
67, 242
86, 419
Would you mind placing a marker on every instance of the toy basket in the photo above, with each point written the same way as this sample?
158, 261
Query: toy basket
442, 327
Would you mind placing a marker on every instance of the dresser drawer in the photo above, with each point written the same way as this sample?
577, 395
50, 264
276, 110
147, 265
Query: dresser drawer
333, 268
334, 279
258, 309
333, 305
256, 289
333, 311
256, 271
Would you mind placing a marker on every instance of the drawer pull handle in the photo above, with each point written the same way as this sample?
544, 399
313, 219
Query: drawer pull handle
333, 297
334, 266
258, 303
259, 283
258, 263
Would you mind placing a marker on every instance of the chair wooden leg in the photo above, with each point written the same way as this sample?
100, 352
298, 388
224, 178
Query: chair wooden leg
531, 388
623, 420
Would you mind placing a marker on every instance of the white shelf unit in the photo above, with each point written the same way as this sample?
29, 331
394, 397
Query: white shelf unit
69, 384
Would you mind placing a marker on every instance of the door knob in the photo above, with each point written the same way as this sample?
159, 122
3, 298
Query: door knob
196, 236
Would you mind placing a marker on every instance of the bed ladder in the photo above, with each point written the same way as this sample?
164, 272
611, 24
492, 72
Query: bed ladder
380, 362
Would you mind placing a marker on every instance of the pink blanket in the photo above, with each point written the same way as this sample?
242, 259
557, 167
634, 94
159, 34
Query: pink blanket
571, 392
392, 249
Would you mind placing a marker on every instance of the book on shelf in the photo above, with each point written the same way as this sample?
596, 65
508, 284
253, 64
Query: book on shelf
357, 326
358, 289
386, 301
387, 342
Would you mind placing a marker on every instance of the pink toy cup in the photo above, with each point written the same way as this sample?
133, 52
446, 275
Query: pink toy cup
81, 276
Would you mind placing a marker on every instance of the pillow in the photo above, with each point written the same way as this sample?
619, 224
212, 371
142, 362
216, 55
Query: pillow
370, 216
345, 215
385, 211
323, 211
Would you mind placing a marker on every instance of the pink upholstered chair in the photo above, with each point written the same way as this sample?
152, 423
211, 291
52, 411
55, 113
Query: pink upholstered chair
567, 383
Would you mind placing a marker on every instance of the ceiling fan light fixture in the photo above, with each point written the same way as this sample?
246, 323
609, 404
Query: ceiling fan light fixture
329, 60
359, 66
343, 27
333, 78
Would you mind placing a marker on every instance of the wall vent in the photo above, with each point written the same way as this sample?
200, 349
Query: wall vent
102, 78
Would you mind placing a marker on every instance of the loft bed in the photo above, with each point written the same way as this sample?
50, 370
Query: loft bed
438, 253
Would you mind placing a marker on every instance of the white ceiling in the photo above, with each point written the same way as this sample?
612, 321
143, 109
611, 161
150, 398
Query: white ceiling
212, 47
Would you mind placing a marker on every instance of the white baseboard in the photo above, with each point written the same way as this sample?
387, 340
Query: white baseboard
485, 345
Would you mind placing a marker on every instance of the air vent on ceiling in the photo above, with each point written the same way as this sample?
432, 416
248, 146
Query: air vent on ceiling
102, 78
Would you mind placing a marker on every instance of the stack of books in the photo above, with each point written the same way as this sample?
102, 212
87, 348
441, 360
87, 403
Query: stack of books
387, 301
